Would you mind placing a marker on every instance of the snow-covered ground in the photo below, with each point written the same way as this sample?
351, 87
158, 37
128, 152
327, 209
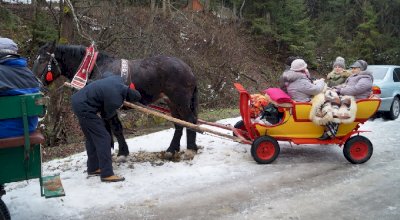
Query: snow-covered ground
224, 182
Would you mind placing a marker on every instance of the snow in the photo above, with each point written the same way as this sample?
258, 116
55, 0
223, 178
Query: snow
149, 185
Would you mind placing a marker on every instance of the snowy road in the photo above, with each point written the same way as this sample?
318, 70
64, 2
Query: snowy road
224, 182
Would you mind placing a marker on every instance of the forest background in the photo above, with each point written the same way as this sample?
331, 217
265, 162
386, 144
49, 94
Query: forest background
223, 41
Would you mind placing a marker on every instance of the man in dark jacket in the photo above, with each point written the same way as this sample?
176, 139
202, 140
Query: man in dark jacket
102, 96
15, 79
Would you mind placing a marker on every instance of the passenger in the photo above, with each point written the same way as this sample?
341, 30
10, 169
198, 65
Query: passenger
282, 79
339, 73
15, 79
102, 96
299, 85
357, 85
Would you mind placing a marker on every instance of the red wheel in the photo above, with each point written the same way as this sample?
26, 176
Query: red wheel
265, 149
357, 149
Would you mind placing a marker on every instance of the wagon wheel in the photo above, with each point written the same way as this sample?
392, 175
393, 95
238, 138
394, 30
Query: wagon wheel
358, 149
265, 149
239, 125
4, 213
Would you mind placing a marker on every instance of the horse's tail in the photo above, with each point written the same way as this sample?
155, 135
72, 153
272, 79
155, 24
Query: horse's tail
194, 105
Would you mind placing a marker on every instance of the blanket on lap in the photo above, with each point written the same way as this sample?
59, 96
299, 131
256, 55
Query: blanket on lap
330, 107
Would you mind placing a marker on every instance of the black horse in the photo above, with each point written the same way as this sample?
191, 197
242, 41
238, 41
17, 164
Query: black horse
155, 78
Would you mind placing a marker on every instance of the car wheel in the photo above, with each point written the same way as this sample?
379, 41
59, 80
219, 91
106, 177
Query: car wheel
265, 149
357, 149
394, 109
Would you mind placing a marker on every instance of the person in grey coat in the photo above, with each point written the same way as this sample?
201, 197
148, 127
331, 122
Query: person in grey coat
359, 83
298, 83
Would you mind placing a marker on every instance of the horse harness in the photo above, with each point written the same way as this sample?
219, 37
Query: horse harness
85, 68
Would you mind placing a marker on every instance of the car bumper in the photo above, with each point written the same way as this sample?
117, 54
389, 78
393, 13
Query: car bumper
386, 103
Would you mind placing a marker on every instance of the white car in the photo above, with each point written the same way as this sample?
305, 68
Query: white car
387, 78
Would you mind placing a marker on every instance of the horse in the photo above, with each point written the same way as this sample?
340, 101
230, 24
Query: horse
157, 77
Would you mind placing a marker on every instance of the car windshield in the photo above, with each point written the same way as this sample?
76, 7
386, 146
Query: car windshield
378, 72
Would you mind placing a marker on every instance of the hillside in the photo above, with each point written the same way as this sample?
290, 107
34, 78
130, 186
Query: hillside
220, 52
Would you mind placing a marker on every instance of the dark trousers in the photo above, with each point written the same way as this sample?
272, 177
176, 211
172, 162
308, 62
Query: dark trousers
97, 145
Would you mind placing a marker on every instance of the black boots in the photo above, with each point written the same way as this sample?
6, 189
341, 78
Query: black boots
331, 129
325, 136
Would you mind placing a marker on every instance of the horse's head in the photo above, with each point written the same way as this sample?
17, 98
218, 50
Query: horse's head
46, 67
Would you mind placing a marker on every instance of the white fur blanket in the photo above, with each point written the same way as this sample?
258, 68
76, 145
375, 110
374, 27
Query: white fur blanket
330, 107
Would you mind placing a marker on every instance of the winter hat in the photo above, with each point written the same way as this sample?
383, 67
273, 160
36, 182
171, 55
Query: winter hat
298, 65
339, 62
290, 59
8, 46
362, 64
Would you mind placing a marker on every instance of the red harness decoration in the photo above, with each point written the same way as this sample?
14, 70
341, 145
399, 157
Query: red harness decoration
82, 74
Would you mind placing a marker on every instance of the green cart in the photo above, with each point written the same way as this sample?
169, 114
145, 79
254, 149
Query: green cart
21, 157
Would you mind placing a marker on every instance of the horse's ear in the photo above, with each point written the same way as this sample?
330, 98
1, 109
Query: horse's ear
52, 47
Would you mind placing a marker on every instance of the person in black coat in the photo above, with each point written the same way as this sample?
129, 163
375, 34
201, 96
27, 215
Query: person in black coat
102, 96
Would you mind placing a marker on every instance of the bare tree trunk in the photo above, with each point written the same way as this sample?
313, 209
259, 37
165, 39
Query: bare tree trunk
152, 5
153, 10
164, 8
241, 9
67, 28
190, 5
169, 7
207, 5
60, 19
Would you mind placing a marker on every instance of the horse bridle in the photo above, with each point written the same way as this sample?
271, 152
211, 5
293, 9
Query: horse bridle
49, 74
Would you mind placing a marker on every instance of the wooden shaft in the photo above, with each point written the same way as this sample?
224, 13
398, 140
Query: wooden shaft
192, 126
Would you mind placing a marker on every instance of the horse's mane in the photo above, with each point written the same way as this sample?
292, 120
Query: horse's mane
79, 51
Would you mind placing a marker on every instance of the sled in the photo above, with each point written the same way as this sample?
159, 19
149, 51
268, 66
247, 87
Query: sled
294, 126
21, 157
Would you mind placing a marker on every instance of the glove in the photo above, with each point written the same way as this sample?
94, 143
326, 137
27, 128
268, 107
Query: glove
133, 96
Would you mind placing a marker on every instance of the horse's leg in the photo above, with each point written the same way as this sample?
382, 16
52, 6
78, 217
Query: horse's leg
192, 117
117, 130
182, 104
175, 145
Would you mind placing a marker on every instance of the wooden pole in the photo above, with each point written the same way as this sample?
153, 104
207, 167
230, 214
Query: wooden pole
186, 124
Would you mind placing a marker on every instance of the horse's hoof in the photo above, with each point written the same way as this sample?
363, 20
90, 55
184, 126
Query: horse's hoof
168, 155
189, 154
121, 159
173, 149
195, 148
